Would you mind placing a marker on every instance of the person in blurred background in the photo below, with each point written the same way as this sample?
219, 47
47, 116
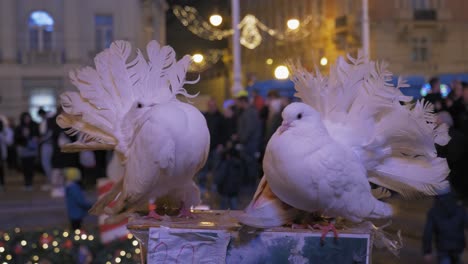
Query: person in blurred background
461, 121
275, 108
456, 153
214, 120
27, 142
12, 157
77, 204
446, 220
46, 147
249, 136
6, 139
228, 176
435, 96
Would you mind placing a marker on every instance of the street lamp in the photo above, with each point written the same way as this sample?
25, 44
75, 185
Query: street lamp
216, 20
281, 72
197, 58
323, 61
293, 24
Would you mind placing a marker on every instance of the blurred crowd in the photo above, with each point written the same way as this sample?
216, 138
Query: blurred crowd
453, 111
29, 147
239, 134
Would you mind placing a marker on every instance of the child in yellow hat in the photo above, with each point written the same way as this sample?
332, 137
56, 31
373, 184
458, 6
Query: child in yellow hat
77, 204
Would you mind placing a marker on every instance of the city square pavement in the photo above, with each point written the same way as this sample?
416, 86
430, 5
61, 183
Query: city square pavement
36, 209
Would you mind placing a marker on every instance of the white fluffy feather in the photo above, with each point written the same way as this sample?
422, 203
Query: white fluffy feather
131, 107
354, 127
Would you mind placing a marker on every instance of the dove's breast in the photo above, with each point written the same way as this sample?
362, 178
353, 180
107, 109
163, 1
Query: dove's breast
172, 146
313, 174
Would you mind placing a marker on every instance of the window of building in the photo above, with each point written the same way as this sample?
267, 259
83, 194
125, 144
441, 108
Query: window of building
420, 51
421, 4
104, 31
42, 97
41, 28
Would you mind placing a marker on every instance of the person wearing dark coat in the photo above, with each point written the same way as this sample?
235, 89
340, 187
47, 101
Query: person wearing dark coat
214, 120
249, 136
445, 223
456, 153
435, 96
27, 142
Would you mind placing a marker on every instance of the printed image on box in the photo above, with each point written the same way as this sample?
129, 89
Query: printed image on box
293, 247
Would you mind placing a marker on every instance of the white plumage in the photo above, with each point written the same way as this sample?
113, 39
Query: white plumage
131, 107
353, 127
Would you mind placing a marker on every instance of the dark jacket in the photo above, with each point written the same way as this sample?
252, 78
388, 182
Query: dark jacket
456, 153
229, 173
214, 122
77, 205
249, 130
26, 139
446, 220
229, 128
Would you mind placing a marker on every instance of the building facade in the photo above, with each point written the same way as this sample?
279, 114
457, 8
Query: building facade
417, 37
41, 41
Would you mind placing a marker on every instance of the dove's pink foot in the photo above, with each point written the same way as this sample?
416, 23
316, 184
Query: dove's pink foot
186, 213
325, 230
153, 215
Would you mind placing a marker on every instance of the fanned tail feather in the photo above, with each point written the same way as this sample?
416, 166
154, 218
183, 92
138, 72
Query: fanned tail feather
412, 177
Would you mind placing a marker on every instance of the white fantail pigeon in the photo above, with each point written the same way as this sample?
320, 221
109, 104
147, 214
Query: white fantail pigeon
352, 128
130, 106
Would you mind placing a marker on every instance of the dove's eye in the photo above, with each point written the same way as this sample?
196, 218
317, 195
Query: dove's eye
299, 116
139, 105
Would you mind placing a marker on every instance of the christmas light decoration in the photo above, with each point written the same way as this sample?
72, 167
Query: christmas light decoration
205, 61
250, 28
57, 247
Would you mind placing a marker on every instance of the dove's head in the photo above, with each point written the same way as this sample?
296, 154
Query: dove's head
298, 113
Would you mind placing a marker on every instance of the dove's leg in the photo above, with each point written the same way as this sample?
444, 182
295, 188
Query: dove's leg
185, 212
325, 229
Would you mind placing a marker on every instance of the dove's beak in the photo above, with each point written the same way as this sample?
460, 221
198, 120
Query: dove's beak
284, 126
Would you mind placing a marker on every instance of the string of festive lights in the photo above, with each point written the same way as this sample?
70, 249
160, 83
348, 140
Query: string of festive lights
250, 28
64, 246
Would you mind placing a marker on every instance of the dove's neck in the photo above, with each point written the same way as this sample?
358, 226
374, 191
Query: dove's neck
313, 130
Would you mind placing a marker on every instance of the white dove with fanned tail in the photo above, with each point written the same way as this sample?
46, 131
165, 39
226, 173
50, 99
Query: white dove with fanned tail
352, 128
131, 107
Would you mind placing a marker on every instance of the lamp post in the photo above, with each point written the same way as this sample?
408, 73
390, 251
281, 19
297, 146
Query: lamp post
237, 85
365, 28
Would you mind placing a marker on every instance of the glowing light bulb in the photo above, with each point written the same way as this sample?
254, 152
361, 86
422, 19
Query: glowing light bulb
281, 72
216, 20
24, 243
323, 61
197, 58
293, 24
269, 61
